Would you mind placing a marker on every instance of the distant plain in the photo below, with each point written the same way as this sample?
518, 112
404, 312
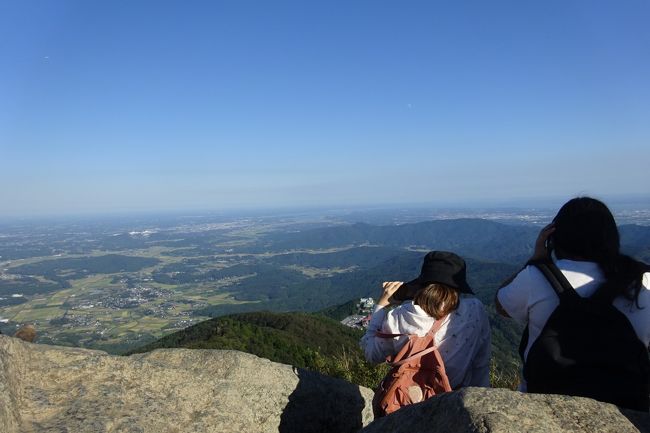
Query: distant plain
115, 284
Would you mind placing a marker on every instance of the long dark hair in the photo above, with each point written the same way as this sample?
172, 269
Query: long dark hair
585, 229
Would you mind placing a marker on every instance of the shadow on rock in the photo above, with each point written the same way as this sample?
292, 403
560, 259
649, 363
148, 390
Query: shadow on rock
481, 410
320, 404
640, 420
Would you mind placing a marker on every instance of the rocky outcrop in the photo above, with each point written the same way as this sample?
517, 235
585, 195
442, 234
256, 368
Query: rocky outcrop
480, 410
56, 389
66, 390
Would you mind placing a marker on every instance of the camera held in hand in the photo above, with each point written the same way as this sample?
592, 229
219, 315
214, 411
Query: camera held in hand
406, 292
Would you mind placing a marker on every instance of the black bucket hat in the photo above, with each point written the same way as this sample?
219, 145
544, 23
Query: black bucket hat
440, 267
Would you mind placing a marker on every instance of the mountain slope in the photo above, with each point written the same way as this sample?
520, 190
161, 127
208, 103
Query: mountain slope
286, 290
314, 341
304, 340
478, 238
278, 336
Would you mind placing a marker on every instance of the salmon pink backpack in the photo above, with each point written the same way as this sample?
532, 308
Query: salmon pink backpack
417, 373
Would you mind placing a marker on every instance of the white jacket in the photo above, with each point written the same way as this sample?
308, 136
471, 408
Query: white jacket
463, 340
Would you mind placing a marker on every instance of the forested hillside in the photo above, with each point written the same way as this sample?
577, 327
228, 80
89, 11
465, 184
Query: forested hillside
316, 342
287, 289
305, 340
477, 238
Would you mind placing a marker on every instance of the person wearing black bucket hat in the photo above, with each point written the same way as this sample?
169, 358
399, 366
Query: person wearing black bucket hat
440, 267
439, 293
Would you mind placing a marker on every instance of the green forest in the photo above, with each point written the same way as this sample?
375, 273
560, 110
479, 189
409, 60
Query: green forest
311, 341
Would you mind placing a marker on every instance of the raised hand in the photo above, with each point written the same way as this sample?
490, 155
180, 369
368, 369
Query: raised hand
388, 288
542, 250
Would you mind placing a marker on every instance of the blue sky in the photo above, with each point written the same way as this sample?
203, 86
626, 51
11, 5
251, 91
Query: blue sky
160, 105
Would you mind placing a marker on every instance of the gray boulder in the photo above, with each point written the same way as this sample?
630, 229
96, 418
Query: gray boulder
57, 389
481, 410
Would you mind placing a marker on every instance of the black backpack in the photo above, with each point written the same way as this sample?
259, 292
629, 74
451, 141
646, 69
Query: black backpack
587, 348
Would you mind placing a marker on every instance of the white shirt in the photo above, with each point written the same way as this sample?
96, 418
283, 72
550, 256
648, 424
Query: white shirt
530, 298
463, 340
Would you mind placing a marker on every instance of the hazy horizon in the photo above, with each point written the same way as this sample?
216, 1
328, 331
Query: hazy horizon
618, 204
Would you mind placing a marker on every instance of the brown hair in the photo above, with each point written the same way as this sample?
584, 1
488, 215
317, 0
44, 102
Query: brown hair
437, 300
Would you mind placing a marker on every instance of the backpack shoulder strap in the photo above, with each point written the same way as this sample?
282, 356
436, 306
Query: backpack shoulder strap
437, 325
431, 334
556, 278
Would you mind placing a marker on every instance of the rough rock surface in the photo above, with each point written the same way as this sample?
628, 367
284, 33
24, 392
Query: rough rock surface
480, 410
56, 389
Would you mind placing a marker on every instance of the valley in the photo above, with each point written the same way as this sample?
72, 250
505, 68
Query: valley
119, 284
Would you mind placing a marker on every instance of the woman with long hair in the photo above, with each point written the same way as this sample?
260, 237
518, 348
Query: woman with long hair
585, 241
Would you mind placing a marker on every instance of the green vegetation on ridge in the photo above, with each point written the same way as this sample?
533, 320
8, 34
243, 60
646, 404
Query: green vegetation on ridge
304, 340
